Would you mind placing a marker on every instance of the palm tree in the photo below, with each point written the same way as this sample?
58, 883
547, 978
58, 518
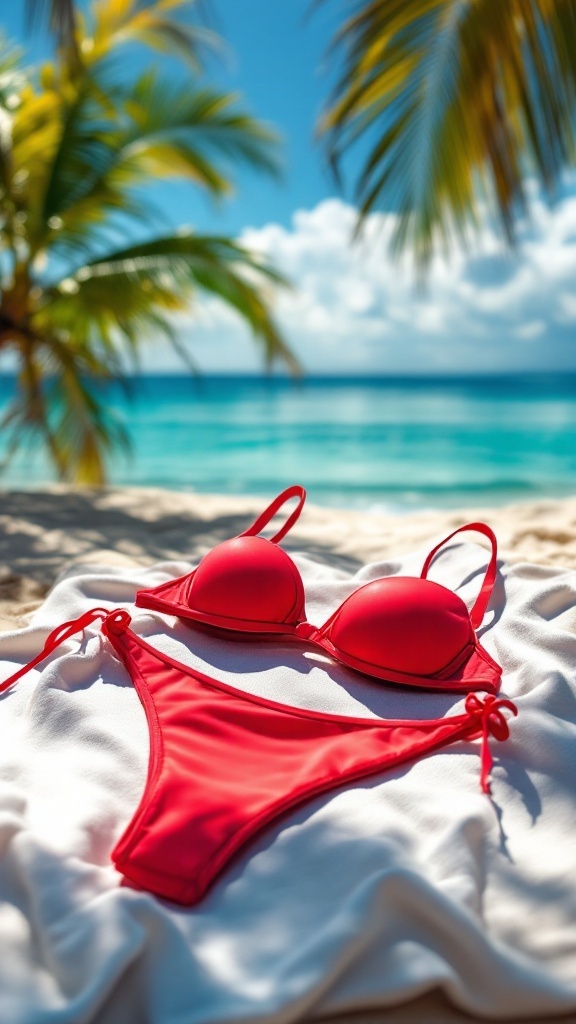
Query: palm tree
455, 102
82, 278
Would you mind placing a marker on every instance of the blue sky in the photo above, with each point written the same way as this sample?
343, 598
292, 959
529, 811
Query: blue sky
353, 310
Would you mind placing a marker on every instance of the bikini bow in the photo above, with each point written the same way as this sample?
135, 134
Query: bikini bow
57, 637
493, 724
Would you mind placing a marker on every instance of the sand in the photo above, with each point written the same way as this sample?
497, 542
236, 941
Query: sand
43, 533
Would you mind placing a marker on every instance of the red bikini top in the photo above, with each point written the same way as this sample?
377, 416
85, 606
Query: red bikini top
401, 629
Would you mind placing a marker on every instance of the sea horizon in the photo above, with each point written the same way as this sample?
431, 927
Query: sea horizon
391, 443
280, 373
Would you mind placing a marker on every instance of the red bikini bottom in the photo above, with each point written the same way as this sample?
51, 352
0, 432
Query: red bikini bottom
224, 763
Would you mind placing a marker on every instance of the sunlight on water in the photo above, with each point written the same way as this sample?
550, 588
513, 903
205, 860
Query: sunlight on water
371, 443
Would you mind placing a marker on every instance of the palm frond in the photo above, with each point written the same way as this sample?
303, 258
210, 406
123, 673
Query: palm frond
98, 310
86, 164
122, 294
84, 427
58, 401
195, 127
27, 416
82, 152
116, 23
456, 101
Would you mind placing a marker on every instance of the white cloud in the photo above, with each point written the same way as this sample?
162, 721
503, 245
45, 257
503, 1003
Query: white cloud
354, 310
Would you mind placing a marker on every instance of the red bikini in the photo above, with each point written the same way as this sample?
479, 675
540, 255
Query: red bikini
401, 629
223, 763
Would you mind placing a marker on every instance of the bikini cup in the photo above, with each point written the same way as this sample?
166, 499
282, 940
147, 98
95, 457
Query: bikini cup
399, 629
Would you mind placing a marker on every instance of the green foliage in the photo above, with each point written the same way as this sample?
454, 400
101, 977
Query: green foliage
456, 102
79, 291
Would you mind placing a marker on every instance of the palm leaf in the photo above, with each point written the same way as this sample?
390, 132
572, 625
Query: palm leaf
116, 23
84, 427
58, 399
194, 126
27, 416
456, 102
83, 150
87, 164
123, 294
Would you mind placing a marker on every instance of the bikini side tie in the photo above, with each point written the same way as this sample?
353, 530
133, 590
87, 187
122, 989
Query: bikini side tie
54, 639
493, 724
493, 721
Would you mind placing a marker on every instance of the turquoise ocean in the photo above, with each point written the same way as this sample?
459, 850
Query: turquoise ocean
390, 444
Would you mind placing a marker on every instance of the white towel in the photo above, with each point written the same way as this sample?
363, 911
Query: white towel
402, 883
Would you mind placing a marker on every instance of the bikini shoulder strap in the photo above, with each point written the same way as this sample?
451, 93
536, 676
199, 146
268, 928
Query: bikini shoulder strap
291, 492
481, 602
